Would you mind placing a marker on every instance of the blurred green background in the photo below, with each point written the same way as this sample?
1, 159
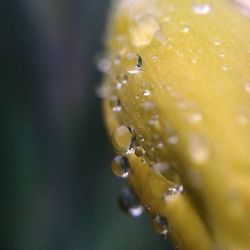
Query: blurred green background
56, 185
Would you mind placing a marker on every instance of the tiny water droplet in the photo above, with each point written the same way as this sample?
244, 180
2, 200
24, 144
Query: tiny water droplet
129, 203
103, 91
201, 9
195, 117
115, 104
184, 28
173, 139
139, 151
217, 42
143, 29
172, 192
134, 63
146, 92
120, 166
198, 150
161, 226
103, 63
123, 139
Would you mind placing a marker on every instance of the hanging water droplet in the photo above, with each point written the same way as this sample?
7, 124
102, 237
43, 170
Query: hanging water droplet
146, 92
161, 226
129, 203
247, 87
172, 192
198, 150
123, 139
139, 151
133, 63
120, 166
115, 104
201, 9
143, 29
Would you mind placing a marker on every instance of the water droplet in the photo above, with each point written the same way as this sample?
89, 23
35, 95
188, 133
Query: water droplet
173, 139
221, 55
198, 150
134, 63
103, 91
225, 68
146, 92
201, 9
129, 203
120, 166
121, 80
217, 42
172, 192
103, 63
247, 87
143, 29
139, 151
184, 28
195, 117
123, 139
115, 104
160, 225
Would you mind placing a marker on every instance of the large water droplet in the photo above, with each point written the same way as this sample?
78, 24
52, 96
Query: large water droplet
198, 149
120, 166
160, 225
115, 104
123, 139
201, 9
129, 203
133, 63
143, 29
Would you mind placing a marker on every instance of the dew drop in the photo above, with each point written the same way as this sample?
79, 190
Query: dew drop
172, 192
139, 151
103, 63
217, 42
134, 63
146, 92
115, 104
195, 118
201, 9
123, 139
129, 203
143, 29
184, 28
120, 166
173, 139
198, 150
160, 226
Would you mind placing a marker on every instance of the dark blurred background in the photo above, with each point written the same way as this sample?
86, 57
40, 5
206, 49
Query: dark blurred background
57, 190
